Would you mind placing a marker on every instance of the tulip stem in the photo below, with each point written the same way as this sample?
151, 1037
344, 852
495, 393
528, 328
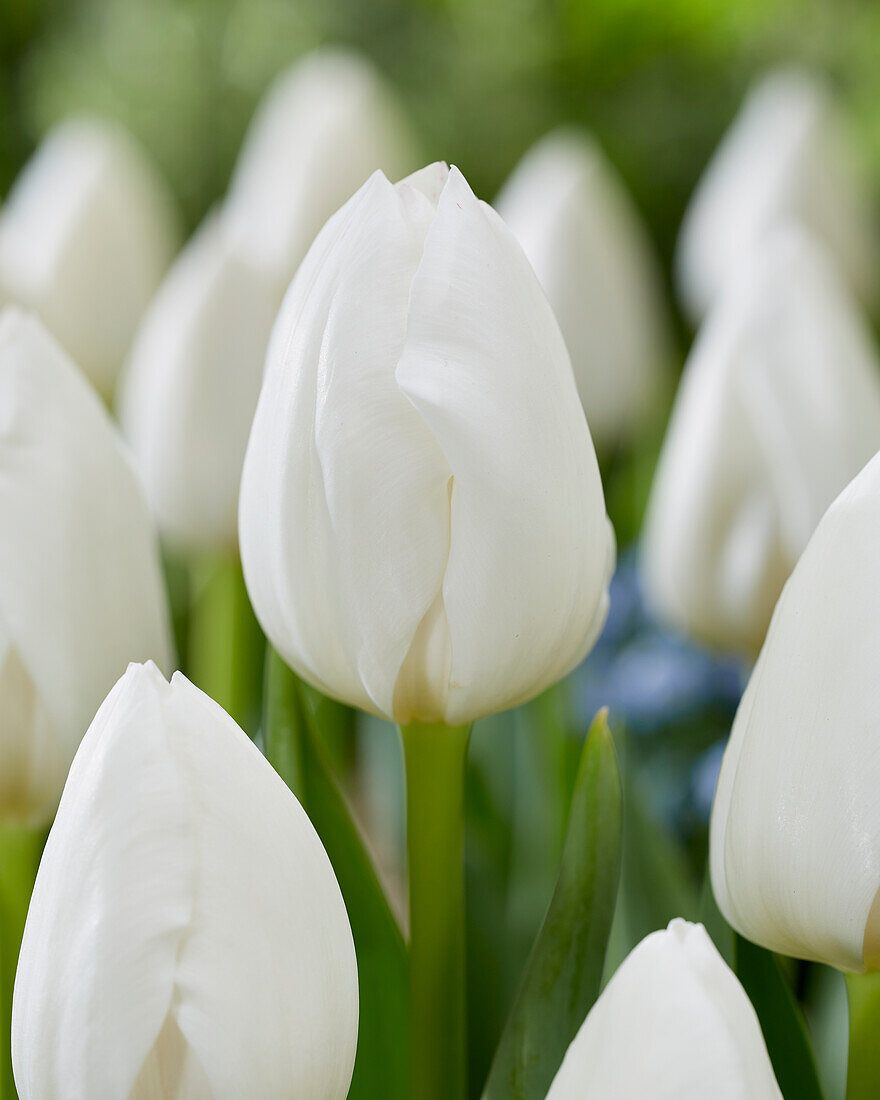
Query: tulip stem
20, 851
435, 758
863, 1066
225, 643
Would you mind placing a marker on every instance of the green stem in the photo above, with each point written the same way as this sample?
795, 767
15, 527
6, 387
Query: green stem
20, 851
435, 761
225, 644
863, 1069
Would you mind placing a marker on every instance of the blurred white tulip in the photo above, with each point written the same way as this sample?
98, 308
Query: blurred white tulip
422, 524
81, 589
322, 128
673, 1023
186, 936
786, 156
778, 408
795, 833
85, 236
189, 390
591, 253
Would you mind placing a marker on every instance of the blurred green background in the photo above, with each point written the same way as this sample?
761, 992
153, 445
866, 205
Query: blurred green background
656, 80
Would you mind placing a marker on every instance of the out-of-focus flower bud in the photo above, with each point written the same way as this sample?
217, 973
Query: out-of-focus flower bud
673, 1023
85, 236
590, 251
186, 935
325, 125
786, 156
422, 524
779, 407
795, 833
190, 388
81, 590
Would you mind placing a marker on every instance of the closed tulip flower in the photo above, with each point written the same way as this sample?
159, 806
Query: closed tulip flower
81, 590
323, 127
85, 236
190, 388
795, 831
786, 156
186, 936
673, 1023
779, 407
422, 524
591, 253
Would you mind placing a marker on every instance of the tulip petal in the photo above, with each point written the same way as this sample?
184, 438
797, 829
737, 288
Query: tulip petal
85, 236
531, 549
81, 590
795, 834
323, 127
583, 236
97, 966
673, 1024
186, 927
779, 407
344, 517
785, 156
191, 386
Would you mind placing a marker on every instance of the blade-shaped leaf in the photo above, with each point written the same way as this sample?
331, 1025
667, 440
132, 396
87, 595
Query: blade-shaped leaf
781, 1019
564, 971
293, 746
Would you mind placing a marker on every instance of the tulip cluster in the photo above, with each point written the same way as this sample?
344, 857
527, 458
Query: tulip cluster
383, 394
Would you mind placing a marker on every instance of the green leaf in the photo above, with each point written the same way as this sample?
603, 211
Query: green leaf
656, 883
863, 1071
713, 921
781, 1019
564, 972
293, 746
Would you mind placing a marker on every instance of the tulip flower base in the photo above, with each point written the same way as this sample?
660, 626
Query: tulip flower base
435, 758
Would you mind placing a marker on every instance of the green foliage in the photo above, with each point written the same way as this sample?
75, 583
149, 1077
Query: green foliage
563, 975
294, 746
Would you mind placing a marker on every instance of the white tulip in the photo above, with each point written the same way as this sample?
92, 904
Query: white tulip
786, 156
85, 236
778, 408
795, 834
323, 127
591, 253
81, 590
422, 525
190, 387
186, 936
673, 1023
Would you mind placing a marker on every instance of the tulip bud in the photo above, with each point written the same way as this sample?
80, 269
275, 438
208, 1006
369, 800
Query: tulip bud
186, 935
778, 408
81, 590
673, 1023
323, 127
85, 236
583, 236
795, 831
786, 156
422, 525
190, 388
